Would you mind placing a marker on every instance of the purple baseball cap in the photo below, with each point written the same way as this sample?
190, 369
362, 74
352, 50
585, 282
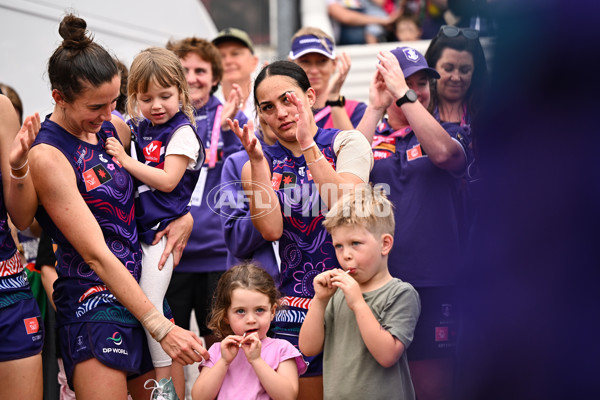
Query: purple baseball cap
311, 44
411, 61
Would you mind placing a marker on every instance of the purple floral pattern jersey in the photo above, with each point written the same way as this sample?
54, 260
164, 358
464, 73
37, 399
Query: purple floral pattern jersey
305, 248
108, 190
13, 283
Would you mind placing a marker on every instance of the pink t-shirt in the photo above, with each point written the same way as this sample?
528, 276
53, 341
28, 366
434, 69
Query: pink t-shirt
241, 381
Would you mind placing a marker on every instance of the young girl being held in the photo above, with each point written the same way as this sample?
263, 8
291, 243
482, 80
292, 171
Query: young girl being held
247, 364
165, 161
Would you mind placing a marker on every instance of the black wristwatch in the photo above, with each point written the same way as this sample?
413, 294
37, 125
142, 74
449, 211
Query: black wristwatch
409, 97
341, 102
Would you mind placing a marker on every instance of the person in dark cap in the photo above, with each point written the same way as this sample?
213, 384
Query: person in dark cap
239, 63
420, 163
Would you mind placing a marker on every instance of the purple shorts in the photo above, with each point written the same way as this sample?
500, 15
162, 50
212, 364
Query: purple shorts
21, 330
120, 347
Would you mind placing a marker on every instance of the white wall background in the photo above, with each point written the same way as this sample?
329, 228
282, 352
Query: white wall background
29, 35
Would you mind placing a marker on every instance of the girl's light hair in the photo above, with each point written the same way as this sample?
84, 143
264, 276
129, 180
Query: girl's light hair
159, 65
365, 206
248, 276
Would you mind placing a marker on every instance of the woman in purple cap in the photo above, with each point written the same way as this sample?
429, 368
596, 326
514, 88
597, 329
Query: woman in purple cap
314, 51
419, 162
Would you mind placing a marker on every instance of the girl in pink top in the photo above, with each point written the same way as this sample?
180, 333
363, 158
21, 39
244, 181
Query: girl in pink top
247, 364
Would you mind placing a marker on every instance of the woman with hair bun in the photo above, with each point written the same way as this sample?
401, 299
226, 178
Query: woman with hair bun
87, 203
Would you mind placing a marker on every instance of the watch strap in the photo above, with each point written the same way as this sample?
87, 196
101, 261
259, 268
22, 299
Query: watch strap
407, 98
340, 102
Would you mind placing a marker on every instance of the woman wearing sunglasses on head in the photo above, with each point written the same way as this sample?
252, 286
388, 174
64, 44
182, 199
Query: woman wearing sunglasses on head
419, 162
459, 94
458, 57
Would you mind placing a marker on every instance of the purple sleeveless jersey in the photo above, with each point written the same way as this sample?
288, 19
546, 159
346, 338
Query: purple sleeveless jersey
108, 190
154, 207
305, 248
13, 283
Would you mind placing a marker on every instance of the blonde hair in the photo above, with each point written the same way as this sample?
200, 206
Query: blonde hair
365, 206
159, 65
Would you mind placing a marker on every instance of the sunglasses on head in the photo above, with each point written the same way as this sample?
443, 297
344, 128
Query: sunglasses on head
453, 31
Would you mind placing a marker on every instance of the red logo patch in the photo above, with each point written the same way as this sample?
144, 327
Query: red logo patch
414, 153
276, 181
95, 177
31, 325
441, 333
152, 151
309, 175
91, 181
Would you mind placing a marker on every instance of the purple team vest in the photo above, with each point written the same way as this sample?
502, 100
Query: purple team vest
13, 282
427, 203
108, 190
305, 248
154, 207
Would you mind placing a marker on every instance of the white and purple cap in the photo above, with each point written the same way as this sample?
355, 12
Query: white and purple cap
411, 61
312, 44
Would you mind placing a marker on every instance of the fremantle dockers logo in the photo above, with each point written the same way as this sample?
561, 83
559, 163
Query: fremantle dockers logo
411, 54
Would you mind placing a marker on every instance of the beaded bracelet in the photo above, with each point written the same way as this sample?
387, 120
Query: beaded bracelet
19, 177
311, 145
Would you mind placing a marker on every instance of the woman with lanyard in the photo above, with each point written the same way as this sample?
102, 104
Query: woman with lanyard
87, 208
458, 94
293, 183
419, 163
314, 51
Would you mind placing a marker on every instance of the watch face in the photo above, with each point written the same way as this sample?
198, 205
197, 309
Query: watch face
409, 97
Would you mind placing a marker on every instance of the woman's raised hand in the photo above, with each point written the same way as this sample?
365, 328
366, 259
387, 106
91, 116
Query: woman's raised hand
336, 82
22, 143
392, 74
304, 136
248, 138
233, 104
